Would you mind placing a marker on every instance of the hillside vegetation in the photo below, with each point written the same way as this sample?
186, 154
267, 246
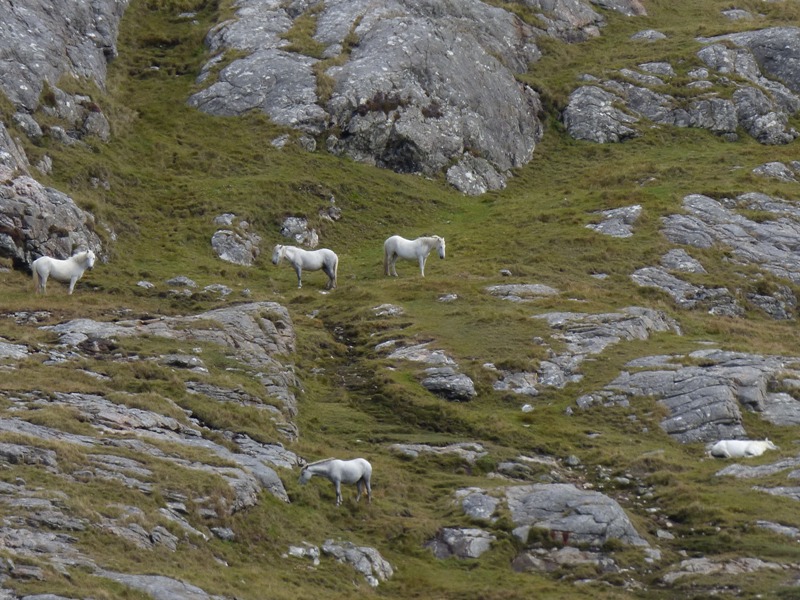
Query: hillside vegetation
171, 169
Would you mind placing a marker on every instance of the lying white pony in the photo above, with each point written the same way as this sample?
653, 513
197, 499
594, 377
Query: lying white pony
741, 448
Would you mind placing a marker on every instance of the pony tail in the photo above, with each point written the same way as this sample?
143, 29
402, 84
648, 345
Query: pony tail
385, 260
37, 279
335, 271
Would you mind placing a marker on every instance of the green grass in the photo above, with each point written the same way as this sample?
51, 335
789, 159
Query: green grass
171, 169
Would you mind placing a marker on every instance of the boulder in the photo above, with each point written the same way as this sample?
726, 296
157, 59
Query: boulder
461, 542
577, 516
363, 559
237, 248
449, 384
618, 222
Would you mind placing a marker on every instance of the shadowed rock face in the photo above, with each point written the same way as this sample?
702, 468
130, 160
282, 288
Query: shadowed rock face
429, 84
37, 221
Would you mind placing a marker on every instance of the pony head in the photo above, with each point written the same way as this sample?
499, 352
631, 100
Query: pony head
440, 246
90, 258
277, 254
305, 474
769, 444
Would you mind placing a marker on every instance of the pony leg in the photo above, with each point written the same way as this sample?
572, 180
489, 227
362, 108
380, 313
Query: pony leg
72, 284
393, 264
358, 487
299, 271
331, 273
422, 260
338, 487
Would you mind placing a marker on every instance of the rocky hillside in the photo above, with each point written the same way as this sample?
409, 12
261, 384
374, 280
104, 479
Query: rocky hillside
617, 183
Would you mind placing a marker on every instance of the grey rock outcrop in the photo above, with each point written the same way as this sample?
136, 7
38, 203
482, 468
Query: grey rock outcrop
776, 49
718, 301
40, 221
442, 376
778, 170
411, 97
586, 334
522, 292
468, 451
252, 470
707, 567
592, 115
705, 402
42, 40
12, 155
41, 43
544, 560
158, 587
419, 86
298, 231
773, 245
679, 260
615, 109
256, 334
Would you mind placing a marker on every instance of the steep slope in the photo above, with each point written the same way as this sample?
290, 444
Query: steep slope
536, 409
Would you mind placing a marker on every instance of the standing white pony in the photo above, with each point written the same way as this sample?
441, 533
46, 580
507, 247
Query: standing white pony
357, 470
398, 247
311, 260
70, 269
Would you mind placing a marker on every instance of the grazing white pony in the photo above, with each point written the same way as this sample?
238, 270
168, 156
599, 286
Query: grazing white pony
399, 247
311, 260
741, 448
357, 470
69, 270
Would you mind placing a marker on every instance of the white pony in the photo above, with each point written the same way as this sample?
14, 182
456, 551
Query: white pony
741, 448
398, 247
357, 470
70, 269
311, 260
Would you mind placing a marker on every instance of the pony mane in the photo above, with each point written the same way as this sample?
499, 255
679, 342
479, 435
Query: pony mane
319, 462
